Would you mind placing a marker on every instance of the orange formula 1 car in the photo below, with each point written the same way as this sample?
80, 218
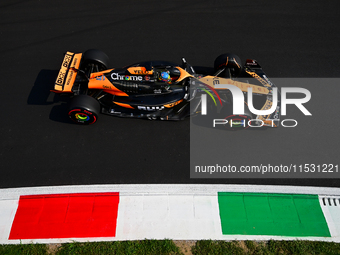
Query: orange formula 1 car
157, 89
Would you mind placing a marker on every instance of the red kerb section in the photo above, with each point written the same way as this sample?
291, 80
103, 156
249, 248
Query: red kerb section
66, 216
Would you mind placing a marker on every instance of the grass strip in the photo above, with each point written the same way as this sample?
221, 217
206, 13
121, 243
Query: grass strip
27, 249
168, 247
126, 247
265, 248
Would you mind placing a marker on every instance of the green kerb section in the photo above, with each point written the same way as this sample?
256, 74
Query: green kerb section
271, 214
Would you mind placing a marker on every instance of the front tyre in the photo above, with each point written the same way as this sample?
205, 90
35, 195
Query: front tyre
84, 110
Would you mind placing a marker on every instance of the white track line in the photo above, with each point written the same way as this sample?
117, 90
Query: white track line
174, 189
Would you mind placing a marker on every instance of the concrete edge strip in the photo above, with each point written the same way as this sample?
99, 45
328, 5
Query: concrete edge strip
205, 192
176, 189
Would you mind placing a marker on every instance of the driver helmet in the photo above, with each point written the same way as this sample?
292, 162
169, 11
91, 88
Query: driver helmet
165, 76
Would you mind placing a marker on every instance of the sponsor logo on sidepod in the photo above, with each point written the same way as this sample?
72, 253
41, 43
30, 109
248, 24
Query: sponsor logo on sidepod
116, 76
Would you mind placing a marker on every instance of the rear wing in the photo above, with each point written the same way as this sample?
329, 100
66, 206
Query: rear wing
67, 73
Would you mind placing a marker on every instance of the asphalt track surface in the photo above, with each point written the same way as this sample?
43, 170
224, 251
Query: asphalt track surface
40, 147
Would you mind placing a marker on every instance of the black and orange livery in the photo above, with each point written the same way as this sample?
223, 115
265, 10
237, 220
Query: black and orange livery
153, 89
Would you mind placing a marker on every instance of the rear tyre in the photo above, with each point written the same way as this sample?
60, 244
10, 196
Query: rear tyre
230, 61
236, 122
84, 110
96, 57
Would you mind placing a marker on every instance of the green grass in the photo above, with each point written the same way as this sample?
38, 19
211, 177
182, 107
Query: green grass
27, 249
216, 247
204, 247
126, 247
265, 248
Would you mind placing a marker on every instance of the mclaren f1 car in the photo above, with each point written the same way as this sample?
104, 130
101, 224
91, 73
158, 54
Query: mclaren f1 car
160, 89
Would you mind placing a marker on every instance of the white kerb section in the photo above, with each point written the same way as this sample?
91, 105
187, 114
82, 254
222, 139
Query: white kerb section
168, 216
331, 209
8, 209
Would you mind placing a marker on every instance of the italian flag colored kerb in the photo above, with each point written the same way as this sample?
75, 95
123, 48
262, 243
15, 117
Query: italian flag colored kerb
271, 214
66, 216
95, 215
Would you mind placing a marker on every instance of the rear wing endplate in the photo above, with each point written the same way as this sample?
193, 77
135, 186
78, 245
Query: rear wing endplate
68, 72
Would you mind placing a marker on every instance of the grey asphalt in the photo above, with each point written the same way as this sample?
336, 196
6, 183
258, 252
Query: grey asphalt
40, 147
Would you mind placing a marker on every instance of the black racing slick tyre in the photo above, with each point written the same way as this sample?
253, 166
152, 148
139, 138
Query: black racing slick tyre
97, 57
84, 110
235, 122
230, 61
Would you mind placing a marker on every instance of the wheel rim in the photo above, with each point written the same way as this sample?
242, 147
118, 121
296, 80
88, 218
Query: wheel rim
237, 122
81, 116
